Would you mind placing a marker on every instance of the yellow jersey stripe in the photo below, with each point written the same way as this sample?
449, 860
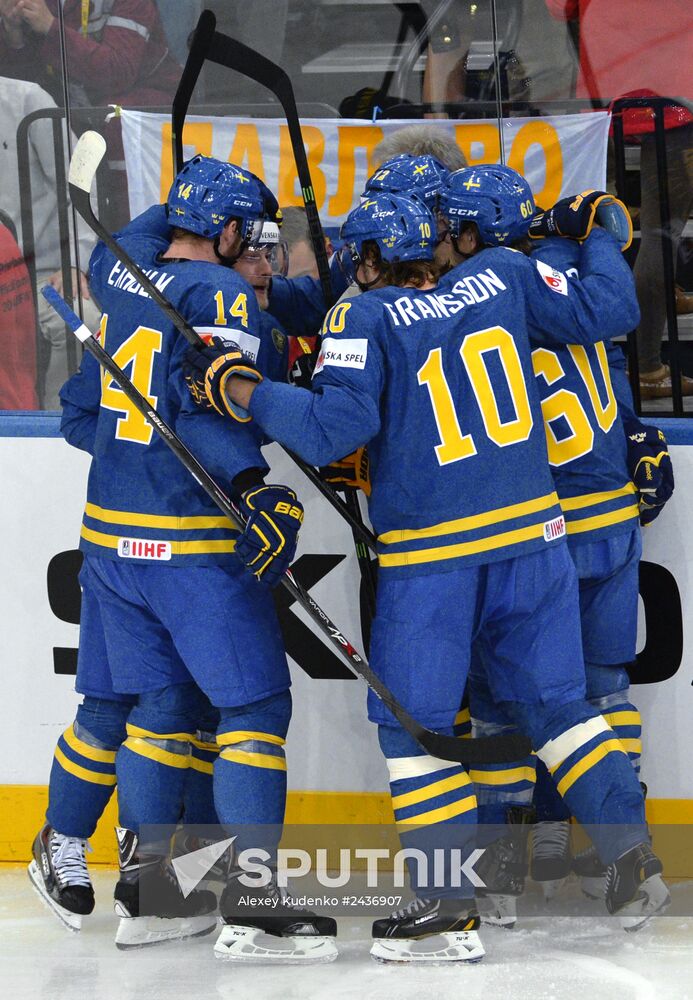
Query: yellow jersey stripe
145, 749
91, 753
592, 758
205, 546
593, 499
601, 520
509, 776
196, 523
430, 791
254, 759
138, 731
471, 522
440, 814
624, 718
441, 552
241, 735
82, 772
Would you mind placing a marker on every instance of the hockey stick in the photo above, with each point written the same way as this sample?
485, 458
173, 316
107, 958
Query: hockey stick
229, 52
497, 748
225, 51
88, 153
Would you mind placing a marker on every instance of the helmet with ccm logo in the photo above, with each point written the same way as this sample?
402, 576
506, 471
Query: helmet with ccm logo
404, 174
402, 227
208, 192
495, 197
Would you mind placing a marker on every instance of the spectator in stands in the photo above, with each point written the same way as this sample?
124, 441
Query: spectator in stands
18, 99
17, 325
625, 52
421, 140
116, 53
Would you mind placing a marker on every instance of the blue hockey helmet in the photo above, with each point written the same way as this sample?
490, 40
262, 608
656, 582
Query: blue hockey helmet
402, 227
496, 198
207, 193
404, 174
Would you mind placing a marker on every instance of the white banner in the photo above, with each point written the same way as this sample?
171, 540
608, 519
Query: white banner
559, 155
331, 745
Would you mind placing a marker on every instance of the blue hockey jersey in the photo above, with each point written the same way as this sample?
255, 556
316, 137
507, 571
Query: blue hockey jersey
581, 387
141, 502
440, 385
298, 304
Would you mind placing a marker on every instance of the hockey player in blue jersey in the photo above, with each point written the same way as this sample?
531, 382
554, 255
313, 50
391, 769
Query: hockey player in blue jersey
173, 594
580, 386
438, 381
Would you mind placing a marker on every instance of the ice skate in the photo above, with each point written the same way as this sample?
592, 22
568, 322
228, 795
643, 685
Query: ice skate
429, 931
551, 859
60, 876
150, 904
635, 889
263, 925
592, 873
503, 869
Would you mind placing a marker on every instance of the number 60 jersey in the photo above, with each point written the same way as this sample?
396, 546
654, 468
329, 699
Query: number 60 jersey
440, 384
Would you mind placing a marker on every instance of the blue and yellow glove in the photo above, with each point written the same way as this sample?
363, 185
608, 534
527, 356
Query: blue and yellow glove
574, 217
206, 371
268, 542
650, 468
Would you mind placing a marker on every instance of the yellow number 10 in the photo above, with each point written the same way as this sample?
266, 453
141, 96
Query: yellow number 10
454, 445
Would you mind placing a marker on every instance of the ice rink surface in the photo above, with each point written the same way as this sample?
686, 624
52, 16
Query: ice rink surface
547, 958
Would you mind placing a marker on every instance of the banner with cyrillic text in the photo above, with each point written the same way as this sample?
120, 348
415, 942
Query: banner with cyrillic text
559, 155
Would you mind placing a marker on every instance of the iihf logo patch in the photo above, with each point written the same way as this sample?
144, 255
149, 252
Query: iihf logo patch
554, 529
143, 548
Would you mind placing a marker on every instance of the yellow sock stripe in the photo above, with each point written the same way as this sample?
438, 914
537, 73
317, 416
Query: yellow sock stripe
624, 718
592, 758
440, 814
632, 746
254, 759
205, 766
430, 791
82, 772
509, 776
462, 716
90, 752
145, 749
137, 731
241, 735
202, 745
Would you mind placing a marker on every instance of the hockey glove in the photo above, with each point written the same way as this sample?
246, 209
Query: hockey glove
574, 217
352, 471
268, 542
206, 371
650, 468
301, 371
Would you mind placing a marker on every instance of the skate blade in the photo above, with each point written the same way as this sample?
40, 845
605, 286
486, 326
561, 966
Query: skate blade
635, 915
73, 921
237, 943
498, 911
552, 887
593, 888
436, 949
141, 932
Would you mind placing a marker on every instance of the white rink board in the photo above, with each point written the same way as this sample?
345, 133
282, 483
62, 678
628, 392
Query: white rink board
331, 745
